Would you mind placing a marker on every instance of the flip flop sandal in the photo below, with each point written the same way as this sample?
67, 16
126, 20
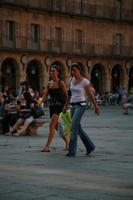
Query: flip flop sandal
16, 135
45, 149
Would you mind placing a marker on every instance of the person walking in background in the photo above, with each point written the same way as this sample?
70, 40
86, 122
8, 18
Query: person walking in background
128, 104
56, 89
124, 96
1, 105
79, 86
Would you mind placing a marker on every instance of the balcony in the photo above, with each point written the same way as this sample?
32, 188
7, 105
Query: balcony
65, 48
75, 8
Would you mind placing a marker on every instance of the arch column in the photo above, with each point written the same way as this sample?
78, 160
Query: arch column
109, 78
108, 83
125, 81
45, 80
23, 72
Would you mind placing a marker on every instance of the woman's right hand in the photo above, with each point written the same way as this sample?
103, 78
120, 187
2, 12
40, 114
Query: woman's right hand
65, 108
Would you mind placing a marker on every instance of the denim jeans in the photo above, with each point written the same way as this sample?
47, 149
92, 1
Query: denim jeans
76, 114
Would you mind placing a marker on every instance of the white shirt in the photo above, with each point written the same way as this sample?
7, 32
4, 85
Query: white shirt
78, 91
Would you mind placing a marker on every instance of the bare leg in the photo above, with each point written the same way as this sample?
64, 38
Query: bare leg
16, 125
66, 140
125, 109
52, 128
22, 131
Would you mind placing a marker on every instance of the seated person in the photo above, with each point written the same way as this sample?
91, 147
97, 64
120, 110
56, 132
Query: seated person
11, 109
27, 116
1, 105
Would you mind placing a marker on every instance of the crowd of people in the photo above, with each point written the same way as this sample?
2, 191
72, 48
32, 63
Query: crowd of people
121, 97
18, 110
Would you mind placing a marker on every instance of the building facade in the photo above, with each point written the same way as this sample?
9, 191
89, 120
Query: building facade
36, 34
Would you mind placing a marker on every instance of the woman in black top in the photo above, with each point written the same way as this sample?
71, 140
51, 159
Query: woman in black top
57, 92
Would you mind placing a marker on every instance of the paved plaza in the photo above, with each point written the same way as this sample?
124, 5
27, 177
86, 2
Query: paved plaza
107, 174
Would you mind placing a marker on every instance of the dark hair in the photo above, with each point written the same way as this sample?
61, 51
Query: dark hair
78, 66
54, 66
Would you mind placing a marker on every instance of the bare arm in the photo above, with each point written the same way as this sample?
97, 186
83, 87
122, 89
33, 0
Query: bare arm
90, 93
66, 106
64, 88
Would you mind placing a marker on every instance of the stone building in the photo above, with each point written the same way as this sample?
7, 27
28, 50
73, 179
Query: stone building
97, 33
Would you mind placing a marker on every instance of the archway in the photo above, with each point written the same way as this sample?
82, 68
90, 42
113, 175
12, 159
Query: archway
130, 84
8, 73
97, 78
33, 73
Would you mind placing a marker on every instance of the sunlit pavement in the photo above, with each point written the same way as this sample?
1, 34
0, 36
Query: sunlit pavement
107, 174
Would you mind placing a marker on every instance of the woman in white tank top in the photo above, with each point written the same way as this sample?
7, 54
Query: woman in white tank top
79, 87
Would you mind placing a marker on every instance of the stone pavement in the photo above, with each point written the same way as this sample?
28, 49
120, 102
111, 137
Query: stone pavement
107, 174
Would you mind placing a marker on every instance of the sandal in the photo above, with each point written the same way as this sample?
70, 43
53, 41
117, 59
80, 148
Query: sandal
16, 134
45, 149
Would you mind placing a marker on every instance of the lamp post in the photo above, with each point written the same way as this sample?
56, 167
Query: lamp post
8, 69
115, 74
97, 74
33, 71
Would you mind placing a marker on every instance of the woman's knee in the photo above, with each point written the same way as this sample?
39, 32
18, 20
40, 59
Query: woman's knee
54, 121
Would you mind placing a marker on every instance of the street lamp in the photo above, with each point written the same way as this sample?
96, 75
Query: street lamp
115, 74
33, 71
8, 69
97, 74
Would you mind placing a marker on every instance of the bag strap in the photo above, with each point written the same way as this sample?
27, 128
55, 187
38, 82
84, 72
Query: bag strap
70, 83
59, 84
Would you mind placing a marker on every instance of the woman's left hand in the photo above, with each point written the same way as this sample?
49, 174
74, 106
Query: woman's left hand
97, 110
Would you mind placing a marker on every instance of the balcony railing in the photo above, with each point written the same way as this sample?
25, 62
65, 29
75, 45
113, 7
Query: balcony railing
65, 48
75, 7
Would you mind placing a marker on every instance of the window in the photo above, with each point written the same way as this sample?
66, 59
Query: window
58, 36
117, 6
57, 4
118, 39
78, 39
118, 43
10, 30
35, 33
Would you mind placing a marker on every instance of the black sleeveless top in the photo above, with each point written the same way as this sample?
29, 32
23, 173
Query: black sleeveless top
57, 96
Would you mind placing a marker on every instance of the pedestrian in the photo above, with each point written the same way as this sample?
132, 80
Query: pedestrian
79, 86
128, 104
56, 89
124, 96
